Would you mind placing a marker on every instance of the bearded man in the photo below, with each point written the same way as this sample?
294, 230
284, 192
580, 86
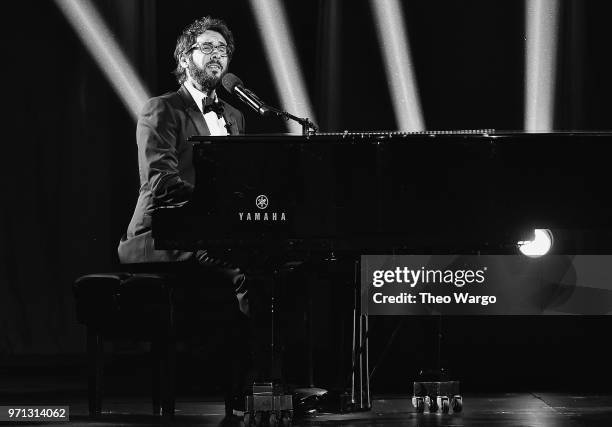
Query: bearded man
167, 178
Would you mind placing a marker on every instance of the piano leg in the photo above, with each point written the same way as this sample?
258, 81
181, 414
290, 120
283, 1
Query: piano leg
268, 402
360, 378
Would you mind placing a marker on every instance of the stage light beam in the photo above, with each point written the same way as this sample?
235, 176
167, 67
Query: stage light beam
280, 52
393, 39
101, 44
540, 61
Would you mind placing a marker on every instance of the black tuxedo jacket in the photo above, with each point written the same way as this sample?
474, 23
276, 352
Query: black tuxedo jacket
167, 175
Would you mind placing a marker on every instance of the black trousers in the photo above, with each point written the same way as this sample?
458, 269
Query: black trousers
206, 303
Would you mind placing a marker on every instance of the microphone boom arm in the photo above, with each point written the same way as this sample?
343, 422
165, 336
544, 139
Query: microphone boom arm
234, 85
308, 127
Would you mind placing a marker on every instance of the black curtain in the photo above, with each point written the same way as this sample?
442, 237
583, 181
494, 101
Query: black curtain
70, 171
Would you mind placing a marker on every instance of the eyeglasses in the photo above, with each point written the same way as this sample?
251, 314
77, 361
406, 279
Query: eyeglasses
208, 48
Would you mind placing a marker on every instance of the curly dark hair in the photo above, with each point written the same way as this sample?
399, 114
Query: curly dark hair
190, 34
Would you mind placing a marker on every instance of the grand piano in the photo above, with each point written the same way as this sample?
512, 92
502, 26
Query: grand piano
341, 195
383, 192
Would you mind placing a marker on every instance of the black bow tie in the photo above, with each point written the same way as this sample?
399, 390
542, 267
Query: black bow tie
215, 106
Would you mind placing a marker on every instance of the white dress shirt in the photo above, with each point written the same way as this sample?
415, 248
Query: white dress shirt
216, 125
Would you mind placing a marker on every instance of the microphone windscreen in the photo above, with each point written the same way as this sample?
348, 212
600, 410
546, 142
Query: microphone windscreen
230, 81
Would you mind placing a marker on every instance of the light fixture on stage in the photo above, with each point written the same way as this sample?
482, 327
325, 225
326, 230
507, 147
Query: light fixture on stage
395, 48
101, 44
280, 51
539, 246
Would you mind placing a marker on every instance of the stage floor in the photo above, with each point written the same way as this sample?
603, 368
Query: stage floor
511, 409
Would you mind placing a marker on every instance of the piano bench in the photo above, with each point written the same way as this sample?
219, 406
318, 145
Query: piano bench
130, 306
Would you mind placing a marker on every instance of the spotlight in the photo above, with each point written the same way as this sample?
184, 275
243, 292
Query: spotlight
280, 50
393, 38
101, 44
542, 18
539, 246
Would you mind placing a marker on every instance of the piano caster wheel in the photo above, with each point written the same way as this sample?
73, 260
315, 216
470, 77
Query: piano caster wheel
287, 419
433, 405
457, 403
274, 419
443, 404
419, 404
253, 419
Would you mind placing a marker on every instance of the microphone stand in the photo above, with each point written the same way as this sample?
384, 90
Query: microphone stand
308, 127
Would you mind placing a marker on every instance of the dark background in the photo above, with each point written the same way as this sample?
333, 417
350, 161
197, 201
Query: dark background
70, 171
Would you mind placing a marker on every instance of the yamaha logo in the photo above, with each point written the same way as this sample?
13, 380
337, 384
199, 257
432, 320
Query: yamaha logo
262, 202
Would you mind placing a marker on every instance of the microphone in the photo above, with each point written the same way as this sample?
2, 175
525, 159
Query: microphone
234, 85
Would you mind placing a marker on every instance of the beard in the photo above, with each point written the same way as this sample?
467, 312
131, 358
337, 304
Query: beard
205, 77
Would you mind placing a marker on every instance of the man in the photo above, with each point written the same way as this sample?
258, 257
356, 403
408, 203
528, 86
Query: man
167, 176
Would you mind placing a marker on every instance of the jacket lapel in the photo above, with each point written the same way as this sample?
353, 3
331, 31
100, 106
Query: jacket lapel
229, 119
193, 112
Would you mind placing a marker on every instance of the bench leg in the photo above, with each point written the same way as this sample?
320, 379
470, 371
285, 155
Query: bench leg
95, 360
167, 353
156, 357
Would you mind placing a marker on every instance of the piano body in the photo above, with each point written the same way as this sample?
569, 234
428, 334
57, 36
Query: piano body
391, 192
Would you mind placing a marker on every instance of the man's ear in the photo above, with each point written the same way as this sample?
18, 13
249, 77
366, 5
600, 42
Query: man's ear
183, 61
